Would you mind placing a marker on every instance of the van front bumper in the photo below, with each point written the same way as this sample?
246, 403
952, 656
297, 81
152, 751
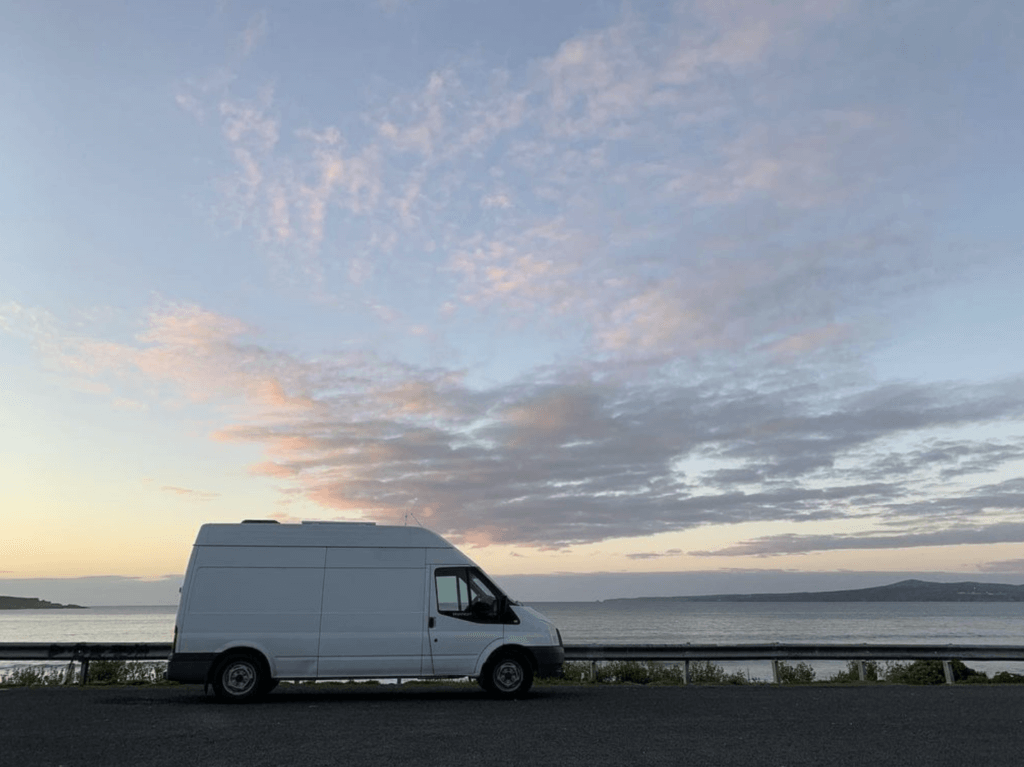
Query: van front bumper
549, 660
189, 667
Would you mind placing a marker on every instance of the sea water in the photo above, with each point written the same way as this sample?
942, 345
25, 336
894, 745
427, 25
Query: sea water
727, 623
638, 622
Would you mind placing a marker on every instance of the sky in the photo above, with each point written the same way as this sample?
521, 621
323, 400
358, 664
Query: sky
628, 297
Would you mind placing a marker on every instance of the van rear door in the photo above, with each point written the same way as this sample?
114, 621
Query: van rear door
267, 597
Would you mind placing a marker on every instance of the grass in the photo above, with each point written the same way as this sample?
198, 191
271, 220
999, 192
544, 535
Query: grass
923, 672
37, 676
101, 672
126, 672
576, 673
646, 672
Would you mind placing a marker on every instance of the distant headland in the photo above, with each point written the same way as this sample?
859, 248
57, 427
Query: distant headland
31, 603
904, 591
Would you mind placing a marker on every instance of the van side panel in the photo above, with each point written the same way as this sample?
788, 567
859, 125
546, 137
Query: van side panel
374, 615
263, 597
260, 556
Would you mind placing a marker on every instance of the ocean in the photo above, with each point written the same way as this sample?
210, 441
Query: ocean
637, 622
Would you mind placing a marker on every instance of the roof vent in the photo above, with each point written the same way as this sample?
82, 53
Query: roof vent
260, 522
317, 522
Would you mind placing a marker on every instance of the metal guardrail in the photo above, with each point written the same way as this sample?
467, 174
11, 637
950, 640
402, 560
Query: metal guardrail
777, 652
84, 652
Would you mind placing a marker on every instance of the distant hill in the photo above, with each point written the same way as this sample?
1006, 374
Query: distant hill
31, 603
904, 591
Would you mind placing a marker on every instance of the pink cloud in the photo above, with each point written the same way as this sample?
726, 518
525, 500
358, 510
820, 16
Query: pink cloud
271, 469
196, 494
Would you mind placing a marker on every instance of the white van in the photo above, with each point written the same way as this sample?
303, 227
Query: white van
264, 601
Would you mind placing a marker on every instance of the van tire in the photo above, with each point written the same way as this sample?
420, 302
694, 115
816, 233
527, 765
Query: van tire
240, 678
507, 675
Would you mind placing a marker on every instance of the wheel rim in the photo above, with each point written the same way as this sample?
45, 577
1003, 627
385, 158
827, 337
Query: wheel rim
239, 678
508, 676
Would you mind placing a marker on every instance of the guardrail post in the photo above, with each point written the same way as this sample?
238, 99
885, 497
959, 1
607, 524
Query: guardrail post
862, 671
947, 668
593, 671
85, 671
686, 672
775, 671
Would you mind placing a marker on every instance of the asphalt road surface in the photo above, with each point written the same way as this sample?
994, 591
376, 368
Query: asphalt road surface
556, 725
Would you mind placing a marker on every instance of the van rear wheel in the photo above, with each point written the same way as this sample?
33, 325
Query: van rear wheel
508, 675
240, 678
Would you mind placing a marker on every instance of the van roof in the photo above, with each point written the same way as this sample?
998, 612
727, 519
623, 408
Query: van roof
336, 534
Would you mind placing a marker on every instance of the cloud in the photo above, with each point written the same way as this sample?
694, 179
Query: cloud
556, 464
199, 495
655, 554
697, 210
957, 535
495, 201
271, 469
254, 32
200, 354
1003, 566
421, 136
555, 459
568, 175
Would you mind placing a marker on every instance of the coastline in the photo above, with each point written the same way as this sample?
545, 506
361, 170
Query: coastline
32, 603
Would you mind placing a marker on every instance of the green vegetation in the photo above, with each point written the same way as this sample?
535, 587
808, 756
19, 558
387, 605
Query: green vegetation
126, 672
706, 672
645, 672
576, 673
872, 673
921, 672
101, 672
801, 673
931, 672
1005, 677
38, 676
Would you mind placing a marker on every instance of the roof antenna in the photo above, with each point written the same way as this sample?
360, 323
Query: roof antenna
409, 513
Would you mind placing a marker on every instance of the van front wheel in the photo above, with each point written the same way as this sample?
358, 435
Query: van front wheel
240, 678
508, 675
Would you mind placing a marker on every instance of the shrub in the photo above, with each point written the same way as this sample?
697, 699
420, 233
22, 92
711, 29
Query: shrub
1005, 677
37, 676
125, 672
930, 672
852, 672
631, 672
706, 672
801, 673
575, 672
649, 672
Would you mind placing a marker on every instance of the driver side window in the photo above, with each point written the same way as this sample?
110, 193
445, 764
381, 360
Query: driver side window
461, 593
452, 591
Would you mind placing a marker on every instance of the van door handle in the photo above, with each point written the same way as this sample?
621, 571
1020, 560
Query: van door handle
430, 622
